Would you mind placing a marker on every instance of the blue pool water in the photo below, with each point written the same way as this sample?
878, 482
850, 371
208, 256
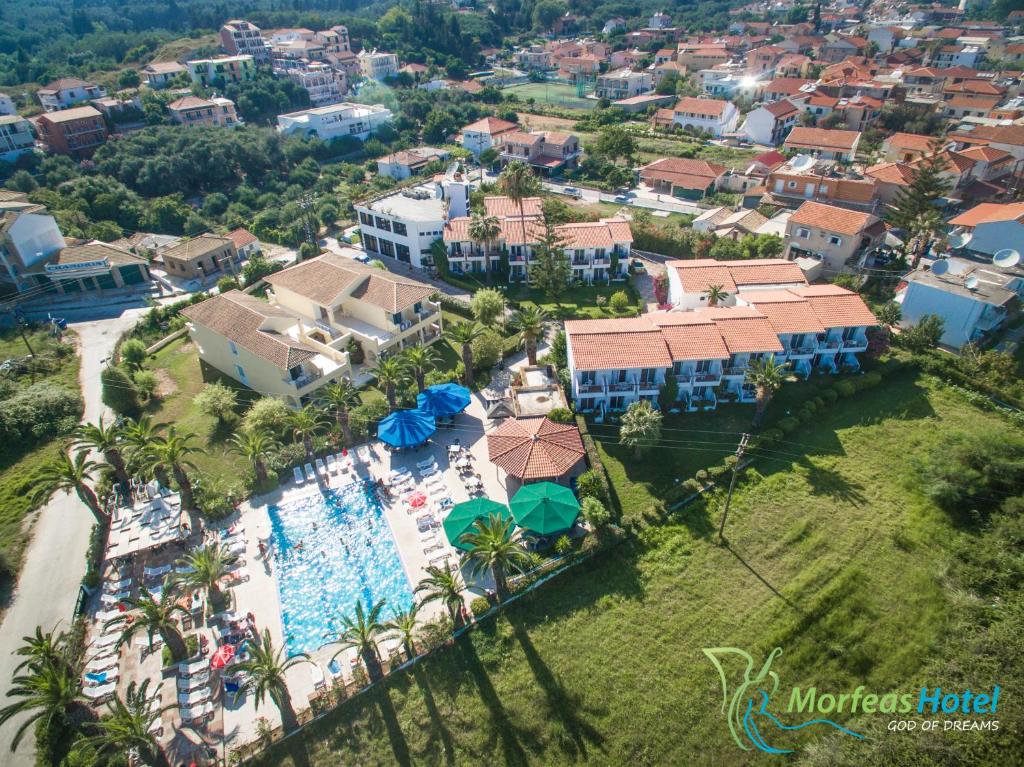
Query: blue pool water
329, 551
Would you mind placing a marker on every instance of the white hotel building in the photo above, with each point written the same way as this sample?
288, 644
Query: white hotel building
335, 121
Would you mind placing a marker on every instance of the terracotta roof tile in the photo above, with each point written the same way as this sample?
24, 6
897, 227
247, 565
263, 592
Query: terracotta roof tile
786, 311
504, 206
987, 212
822, 137
616, 344
711, 107
744, 332
831, 218
535, 448
698, 275
491, 125
837, 307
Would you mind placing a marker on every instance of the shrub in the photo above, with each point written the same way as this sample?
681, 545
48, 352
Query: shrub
119, 391
619, 301
717, 472
702, 476
133, 353
786, 425
730, 461
829, 395
562, 415
224, 284
487, 350
590, 484
40, 411
771, 435
819, 403
846, 388
871, 380
218, 401
286, 456
217, 499
595, 512
267, 414
146, 382
364, 417
810, 405
563, 545
479, 606
487, 306
435, 377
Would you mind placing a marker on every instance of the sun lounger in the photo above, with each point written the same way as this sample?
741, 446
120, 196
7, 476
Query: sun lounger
112, 587
432, 548
421, 465
97, 678
113, 599
332, 464
156, 572
429, 472
102, 663
317, 675
236, 547
194, 698
297, 475
364, 453
197, 714
107, 640
321, 468
194, 668
310, 474
100, 693
197, 680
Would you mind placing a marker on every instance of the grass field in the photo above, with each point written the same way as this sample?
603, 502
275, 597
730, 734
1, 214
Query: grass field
555, 94
575, 303
834, 554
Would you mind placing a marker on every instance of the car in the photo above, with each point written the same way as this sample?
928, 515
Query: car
622, 199
638, 265
573, 191
362, 258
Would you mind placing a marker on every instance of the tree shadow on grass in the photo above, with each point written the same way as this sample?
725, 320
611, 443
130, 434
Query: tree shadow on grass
439, 731
829, 482
561, 705
381, 696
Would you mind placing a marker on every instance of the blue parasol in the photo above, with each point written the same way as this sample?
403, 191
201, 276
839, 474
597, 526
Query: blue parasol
406, 428
443, 399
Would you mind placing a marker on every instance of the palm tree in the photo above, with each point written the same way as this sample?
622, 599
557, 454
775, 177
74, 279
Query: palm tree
492, 548
42, 649
485, 229
255, 447
341, 396
206, 566
107, 440
358, 630
49, 693
127, 726
155, 617
641, 427
767, 376
139, 435
518, 182
420, 360
531, 323
172, 450
923, 227
464, 334
72, 474
306, 424
716, 294
265, 672
446, 586
404, 623
391, 373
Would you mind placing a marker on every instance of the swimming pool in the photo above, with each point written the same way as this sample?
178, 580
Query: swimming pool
329, 551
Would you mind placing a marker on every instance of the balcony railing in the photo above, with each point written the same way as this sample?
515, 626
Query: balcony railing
621, 387
802, 351
855, 343
735, 370
327, 328
591, 389
830, 346
706, 377
303, 380
648, 386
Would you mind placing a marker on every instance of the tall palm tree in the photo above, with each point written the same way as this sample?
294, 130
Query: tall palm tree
767, 376
306, 424
48, 693
340, 397
358, 630
485, 229
265, 672
139, 434
106, 440
492, 548
126, 726
42, 649
531, 323
464, 334
443, 585
72, 474
205, 567
404, 623
255, 447
420, 360
154, 617
716, 294
517, 182
172, 450
391, 373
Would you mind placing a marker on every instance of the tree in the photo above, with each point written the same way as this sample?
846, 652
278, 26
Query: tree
464, 334
485, 230
420, 360
923, 336
255, 447
487, 306
613, 142
133, 353
128, 78
265, 670
404, 623
119, 392
217, 401
441, 584
531, 322
641, 427
155, 617
359, 630
138, 435
550, 269
129, 725
546, 12
669, 392
595, 513
889, 315
172, 450
716, 294
491, 547
767, 376
268, 414
48, 694
913, 208
341, 396
203, 569
391, 373
517, 182
72, 474
304, 425
487, 349
619, 301
106, 440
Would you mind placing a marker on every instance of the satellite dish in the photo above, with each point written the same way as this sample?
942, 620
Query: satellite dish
940, 267
971, 282
957, 241
1006, 258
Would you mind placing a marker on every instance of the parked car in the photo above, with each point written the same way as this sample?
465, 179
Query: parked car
572, 191
622, 199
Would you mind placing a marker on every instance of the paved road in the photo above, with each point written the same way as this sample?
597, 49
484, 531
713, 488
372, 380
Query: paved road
641, 198
55, 561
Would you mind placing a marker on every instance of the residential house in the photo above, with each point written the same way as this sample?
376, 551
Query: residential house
216, 112
711, 115
623, 84
770, 123
1009, 138
264, 347
824, 143
786, 87
338, 300
16, 137
683, 178
409, 162
614, 24
159, 74
335, 40
842, 48
660, 21
547, 152
219, 71
763, 60
246, 243
67, 93
689, 281
404, 224
889, 178
958, 56
377, 65
324, 84
485, 133
969, 105
583, 67
626, 59
697, 57
904, 147
793, 65
241, 38
536, 57
992, 226
28, 235
642, 103
198, 258
335, 121
838, 237
76, 132
726, 222
7, 105
804, 178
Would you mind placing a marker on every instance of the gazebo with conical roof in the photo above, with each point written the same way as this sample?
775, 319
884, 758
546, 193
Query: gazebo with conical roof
535, 449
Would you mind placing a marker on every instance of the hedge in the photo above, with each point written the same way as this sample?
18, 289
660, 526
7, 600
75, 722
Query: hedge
597, 466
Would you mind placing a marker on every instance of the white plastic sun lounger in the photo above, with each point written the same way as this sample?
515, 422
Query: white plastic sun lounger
332, 464
156, 572
297, 475
310, 474
426, 464
429, 472
317, 675
190, 715
321, 467
113, 599
194, 682
101, 692
102, 663
107, 640
112, 587
194, 698
194, 668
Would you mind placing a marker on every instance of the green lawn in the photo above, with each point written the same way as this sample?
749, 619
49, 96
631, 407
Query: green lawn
575, 303
835, 555
555, 94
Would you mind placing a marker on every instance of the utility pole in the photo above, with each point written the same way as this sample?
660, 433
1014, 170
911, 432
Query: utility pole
732, 484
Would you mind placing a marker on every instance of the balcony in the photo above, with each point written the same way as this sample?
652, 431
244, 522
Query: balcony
303, 380
602, 261
830, 346
707, 378
580, 263
646, 387
591, 389
735, 370
622, 387
802, 351
855, 344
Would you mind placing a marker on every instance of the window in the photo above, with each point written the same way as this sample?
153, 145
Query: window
803, 233
241, 373
233, 348
370, 242
396, 318
588, 377
833, 240
402, 252
387, 247
399, 228
622, 376
365, 219
791, 184
647, 375
383, 223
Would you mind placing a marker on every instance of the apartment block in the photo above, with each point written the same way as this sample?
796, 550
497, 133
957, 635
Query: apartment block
242, 38
220, 71
16, 137
76, 132
217, 112
335, 121
623, 84
547, 152
377, 65
68, 92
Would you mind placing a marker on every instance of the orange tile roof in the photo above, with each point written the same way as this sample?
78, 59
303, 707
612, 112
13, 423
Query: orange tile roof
744, 332
985, 154
710, 107
535, 448
913, 141
786, 311
504, 206
822, 137
599, 234
831, 219
891, 173
698, 275
987, 212
696, 339
491, 125
242, 237
616, 344
837, 307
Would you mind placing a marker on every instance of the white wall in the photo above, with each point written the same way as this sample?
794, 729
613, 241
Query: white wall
35, 236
